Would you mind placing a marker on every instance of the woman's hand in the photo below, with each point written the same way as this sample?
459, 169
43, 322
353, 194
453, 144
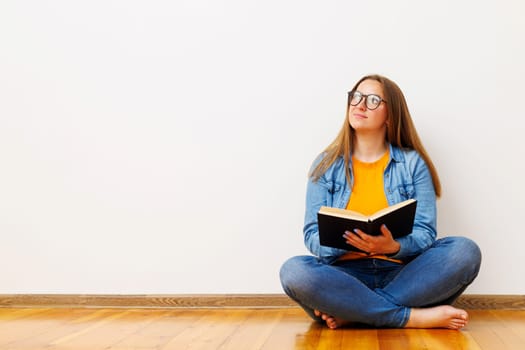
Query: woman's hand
382, 244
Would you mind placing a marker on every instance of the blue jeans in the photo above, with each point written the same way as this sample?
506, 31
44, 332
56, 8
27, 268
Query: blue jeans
379, 292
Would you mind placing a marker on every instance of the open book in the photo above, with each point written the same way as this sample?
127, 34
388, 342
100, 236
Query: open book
333, 222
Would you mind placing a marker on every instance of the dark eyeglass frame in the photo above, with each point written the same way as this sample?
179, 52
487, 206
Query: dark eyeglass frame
368, 102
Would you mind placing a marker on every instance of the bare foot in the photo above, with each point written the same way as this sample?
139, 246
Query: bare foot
444, 316
331, 322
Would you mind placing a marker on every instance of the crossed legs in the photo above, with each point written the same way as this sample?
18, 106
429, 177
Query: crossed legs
413, 295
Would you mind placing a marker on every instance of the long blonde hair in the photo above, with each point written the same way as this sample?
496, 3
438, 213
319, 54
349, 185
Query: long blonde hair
401, 133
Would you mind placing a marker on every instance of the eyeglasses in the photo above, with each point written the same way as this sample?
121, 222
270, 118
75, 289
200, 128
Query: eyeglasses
371, 101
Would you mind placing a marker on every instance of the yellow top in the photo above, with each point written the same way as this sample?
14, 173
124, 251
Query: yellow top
368, 195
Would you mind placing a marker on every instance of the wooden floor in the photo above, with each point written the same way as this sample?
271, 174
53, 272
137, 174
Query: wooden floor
242, 329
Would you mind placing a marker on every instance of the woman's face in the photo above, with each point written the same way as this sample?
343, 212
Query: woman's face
360, 116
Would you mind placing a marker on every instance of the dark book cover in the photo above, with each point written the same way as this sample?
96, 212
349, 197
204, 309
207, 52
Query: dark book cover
332, 227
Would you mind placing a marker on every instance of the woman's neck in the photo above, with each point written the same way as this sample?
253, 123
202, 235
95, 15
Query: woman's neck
368, 148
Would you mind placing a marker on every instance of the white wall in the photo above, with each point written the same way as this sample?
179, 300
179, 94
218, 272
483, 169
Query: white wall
162, 146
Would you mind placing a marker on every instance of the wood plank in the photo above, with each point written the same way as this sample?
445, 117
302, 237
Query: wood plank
398, 339
361, 338
213, 330
59, 325
254, 331
89, 337
330, 339
491, 302
223, 329
119, 327
471, 302
447, 339
146, 301
161, 330
512, 331
23, 326
294, 331
485, 331
12, 314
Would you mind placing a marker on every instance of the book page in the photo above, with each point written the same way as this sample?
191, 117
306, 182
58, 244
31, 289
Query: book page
343, 213
390, 209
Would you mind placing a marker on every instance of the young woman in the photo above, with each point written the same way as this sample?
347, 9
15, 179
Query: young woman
377, 160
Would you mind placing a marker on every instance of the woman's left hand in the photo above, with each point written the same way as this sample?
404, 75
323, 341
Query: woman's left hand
381, 244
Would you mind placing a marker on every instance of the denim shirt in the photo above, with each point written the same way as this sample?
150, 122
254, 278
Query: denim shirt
406, 176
